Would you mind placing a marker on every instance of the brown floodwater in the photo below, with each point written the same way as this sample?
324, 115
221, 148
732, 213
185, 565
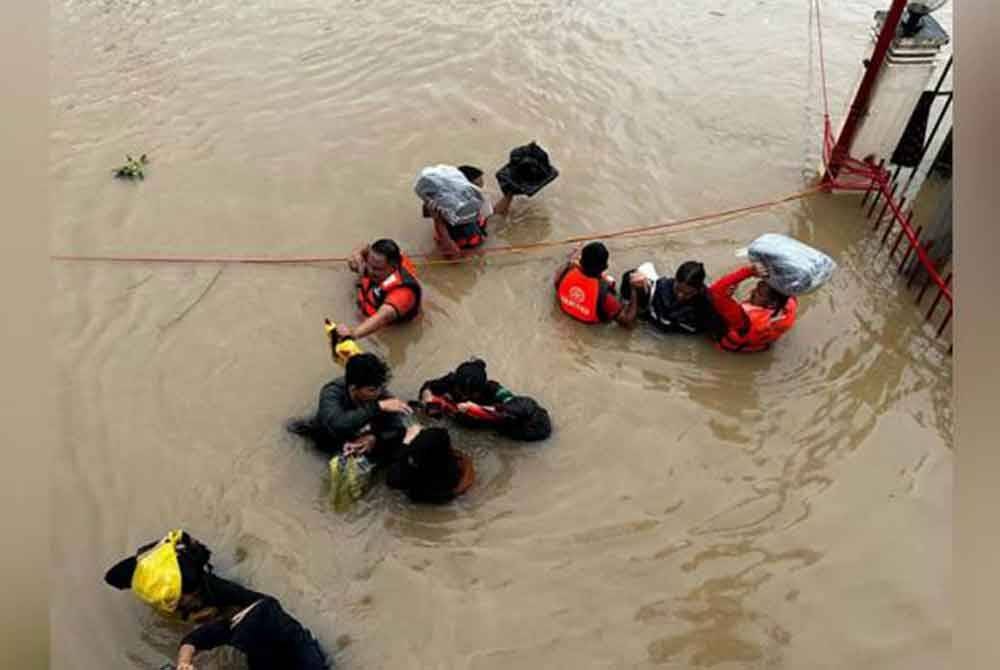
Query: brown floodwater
790, 509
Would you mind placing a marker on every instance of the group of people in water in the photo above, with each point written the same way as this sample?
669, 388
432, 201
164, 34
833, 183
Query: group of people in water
359, 419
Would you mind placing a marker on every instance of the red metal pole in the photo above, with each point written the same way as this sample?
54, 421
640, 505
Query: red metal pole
859, 107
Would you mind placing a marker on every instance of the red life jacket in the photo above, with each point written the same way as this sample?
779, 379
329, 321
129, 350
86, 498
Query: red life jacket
477, 412
582, 297
372, 296
761, 328
468, 235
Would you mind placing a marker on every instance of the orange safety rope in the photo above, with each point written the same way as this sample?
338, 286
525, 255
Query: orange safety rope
702, 220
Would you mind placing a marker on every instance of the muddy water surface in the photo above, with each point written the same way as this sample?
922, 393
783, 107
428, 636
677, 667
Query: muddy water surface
785, 510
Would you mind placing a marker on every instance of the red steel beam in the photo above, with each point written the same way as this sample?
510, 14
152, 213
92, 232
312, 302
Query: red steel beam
859, 107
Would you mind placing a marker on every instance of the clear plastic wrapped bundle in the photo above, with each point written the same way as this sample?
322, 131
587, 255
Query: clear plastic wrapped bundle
795, 268
447, 189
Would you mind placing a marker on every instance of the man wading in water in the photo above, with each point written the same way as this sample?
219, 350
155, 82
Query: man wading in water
388, 290
357, 414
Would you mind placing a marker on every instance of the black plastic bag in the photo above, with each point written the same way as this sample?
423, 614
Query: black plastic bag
528, 171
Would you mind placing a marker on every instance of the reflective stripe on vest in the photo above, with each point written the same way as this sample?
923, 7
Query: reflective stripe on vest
370, 297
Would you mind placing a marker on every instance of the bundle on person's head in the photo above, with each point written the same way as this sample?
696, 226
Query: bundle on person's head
450, 193
793, 268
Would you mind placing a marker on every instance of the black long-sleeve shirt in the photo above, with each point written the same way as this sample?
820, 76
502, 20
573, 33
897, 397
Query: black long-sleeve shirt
339, 419
670, 315
269, 637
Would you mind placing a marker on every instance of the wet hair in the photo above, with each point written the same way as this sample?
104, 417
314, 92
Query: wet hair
389, 249
777, 299
366, 370
471, 375
471, 172
594, 259
427, 469
691, 273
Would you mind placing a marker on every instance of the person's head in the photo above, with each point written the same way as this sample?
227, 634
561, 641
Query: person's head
426, 464
689, 280
384, 258
366, 376
594, 259
470, 378
193, 561
472, 173
764, 295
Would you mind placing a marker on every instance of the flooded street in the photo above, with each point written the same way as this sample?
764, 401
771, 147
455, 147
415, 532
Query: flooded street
693, 509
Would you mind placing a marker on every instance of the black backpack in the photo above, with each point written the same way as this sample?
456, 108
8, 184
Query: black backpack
525, 420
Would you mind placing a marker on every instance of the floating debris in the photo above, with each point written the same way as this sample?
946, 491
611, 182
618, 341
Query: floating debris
132, 169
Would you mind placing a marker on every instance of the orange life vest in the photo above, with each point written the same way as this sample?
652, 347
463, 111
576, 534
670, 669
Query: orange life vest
468, 235
582, 297
761, 328
372, 296
468, 471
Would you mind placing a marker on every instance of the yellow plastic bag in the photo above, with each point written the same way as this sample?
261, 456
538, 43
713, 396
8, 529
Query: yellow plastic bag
342, 349
157, 576
349, 478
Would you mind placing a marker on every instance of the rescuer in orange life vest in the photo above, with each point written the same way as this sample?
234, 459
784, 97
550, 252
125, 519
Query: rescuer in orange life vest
454, 240
388, 291
755, 324
586, 291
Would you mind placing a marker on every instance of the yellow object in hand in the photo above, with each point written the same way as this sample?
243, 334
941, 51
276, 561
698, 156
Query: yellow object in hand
342, 349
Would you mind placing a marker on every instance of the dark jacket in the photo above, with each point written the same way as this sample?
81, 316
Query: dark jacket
523, 418
669, 315
269, 637
339, 419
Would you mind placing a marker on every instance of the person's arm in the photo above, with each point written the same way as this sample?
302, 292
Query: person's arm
202, 638
638, 285
437, 387
340, 422
443, 238
721, 295
388, 431
385, 315
478, 412
787, 318
185, 657
358, 259
626, 315
503, 204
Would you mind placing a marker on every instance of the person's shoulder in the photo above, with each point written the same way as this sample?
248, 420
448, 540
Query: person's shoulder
338, 385
494, 387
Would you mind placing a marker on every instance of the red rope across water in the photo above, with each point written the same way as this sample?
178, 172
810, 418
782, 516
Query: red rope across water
853, 175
